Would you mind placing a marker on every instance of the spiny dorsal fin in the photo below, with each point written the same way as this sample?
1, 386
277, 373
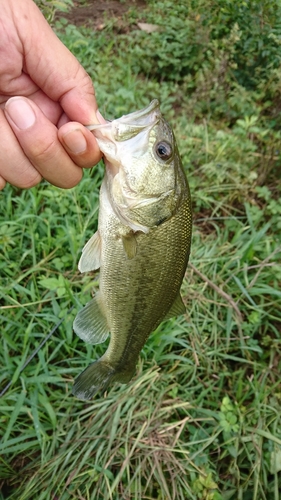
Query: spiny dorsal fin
90, 323
130, 245
91, 254
177, 308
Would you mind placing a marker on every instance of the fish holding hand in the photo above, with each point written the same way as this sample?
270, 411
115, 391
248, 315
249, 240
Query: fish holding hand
141, 246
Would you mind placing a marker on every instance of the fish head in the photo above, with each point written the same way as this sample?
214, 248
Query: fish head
145, 179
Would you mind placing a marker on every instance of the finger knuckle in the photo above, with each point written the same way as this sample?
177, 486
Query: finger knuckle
42, 152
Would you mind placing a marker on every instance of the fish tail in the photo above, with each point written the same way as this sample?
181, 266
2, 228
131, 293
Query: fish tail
97, 377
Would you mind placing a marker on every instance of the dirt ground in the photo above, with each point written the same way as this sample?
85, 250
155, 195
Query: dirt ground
93, 12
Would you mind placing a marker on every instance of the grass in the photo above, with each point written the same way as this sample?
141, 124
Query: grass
201, 418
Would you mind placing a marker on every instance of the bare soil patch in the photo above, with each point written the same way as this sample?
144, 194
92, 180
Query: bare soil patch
94, 12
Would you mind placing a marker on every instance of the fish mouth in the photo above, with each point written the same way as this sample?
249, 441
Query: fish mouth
141, 116
128, 126
134, 128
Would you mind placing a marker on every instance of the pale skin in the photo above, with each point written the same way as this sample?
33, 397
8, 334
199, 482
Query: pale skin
46, 98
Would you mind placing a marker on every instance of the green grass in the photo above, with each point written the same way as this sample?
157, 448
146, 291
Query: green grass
201, 418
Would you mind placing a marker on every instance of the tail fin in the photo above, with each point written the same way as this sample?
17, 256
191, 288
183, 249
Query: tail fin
97, 377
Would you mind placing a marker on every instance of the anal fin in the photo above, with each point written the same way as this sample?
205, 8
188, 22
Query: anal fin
90, 323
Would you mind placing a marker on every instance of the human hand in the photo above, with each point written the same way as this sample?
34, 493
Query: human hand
45, 96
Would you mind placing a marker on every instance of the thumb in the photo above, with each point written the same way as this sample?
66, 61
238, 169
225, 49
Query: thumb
52, 66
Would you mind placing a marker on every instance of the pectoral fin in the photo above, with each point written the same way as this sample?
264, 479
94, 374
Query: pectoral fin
130, 245
91, 254
90, 323
177, 308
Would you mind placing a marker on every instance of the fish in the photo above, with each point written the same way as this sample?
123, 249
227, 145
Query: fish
141, 246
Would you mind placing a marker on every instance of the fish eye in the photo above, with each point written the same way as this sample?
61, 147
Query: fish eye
164, 150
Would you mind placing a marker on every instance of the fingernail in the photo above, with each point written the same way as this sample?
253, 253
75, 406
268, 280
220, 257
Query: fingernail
20, 112
75, 141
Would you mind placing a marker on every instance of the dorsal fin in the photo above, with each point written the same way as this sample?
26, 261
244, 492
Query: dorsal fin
177, 308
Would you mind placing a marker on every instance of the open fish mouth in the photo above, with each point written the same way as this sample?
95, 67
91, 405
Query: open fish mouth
128, 126
142, 116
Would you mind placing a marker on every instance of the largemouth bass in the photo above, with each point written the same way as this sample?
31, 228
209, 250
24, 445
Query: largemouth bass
141, 246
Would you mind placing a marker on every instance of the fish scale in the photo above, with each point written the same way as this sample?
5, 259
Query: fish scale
153, 298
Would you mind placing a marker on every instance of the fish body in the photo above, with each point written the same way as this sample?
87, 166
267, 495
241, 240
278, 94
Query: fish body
141, 246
